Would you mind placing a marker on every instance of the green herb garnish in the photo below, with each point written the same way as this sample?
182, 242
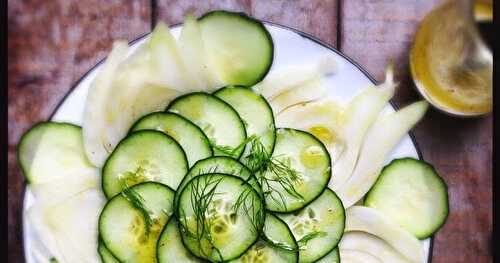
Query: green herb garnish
202, 195
303, 241
138, 202
271, 169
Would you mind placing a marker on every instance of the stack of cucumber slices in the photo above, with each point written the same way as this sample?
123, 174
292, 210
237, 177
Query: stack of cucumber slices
211, 178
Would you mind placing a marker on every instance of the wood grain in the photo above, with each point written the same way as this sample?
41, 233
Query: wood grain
174, 11
51, 45
316, 17
300, 14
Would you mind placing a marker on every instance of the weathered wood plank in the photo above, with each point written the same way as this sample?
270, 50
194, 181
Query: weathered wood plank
316, 17
374, 32
301, 14
174, 11
51, 44
461, 151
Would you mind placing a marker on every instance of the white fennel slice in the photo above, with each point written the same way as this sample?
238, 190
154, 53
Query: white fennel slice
73, 225
94, 124
354, 256
322, 118
311, 90
365, 242
44, 246
369, 220
166, 61
382, 137
67, 231
195, 58
360, 114
62, 189
137, 85
281, 80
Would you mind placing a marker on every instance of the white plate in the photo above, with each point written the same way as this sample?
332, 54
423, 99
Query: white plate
291, 47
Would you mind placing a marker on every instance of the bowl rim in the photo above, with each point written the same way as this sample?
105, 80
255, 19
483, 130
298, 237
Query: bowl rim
266, 22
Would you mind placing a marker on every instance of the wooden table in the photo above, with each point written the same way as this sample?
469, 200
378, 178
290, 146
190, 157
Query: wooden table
52, 43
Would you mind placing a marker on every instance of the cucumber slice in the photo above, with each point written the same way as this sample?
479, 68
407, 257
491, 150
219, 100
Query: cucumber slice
318, 227
191, 138
256, 114
144, 156
383, 136
53, 151
332, 257
239, 47
354, 256
218, 120
371, 244
105, 255
298, 173
219, 164
411, 193
170, 248
220, 216
124, 227
369, 220
277, 244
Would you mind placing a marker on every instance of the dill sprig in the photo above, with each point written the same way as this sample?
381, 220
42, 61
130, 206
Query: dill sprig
280, 245
303, 241
231, 151
137, 201
273, 170
202, 194
252, 208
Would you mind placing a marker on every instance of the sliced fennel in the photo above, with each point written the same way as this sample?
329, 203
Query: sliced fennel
322, 118
360, 218
311, 90
382, 137
360, 114
127, 89
46, 247
195, 58
282, 80
94, 124
70, 227
355, 256
364, 242
167, 62
62, 189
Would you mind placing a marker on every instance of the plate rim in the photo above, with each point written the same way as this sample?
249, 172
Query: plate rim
266, 22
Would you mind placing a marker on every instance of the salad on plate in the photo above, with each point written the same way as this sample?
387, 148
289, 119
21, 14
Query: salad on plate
192, 149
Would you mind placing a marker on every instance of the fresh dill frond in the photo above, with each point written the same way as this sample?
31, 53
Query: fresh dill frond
280, 245
303, 241
231, 151
137, 201
202, 195
253, 208
279, 167
257, 156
